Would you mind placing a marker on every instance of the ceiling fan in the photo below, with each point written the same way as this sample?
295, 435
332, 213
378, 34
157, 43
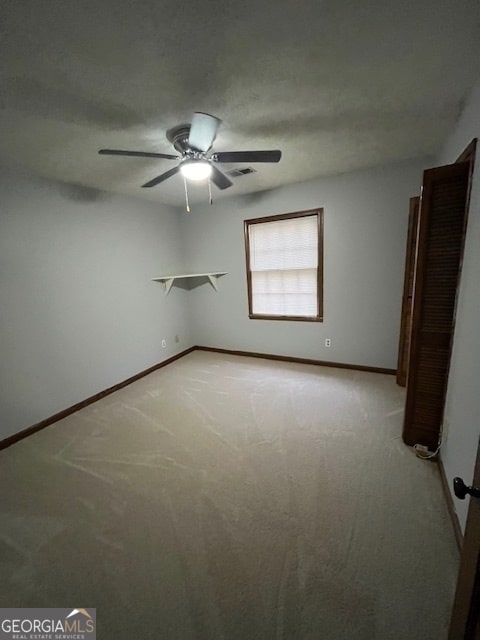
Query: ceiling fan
194, 142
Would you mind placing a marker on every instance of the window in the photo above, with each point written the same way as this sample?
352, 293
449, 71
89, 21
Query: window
284, 266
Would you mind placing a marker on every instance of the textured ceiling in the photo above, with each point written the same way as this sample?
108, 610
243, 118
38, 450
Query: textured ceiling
336, 85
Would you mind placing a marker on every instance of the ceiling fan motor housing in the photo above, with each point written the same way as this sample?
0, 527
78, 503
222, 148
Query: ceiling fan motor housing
178, 136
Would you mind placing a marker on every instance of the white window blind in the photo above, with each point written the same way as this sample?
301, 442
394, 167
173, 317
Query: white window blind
283, 265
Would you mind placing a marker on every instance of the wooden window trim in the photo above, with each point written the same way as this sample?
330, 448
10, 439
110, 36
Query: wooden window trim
287, 216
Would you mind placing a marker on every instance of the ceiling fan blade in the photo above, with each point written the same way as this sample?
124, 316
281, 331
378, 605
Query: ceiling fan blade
203, 131
219, 179
140, 154
161, 178
247, 156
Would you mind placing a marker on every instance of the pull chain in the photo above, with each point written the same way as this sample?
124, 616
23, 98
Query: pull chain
210, 199
186, 194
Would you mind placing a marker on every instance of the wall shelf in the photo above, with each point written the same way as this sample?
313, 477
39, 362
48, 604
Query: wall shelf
169, 280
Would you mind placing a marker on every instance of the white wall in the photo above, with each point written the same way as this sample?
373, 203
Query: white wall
78, 310
462, 409
365, 219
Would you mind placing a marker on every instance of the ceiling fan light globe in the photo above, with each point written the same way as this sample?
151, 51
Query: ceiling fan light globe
196, 170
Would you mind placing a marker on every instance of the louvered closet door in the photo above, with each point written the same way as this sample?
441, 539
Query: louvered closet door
441, 233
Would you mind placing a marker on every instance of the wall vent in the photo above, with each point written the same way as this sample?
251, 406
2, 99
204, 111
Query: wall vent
237, 173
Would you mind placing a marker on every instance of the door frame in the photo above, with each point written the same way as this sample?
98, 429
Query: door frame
465, 619
407, 299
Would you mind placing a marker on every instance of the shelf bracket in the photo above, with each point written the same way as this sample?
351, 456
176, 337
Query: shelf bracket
168, 284
213, 281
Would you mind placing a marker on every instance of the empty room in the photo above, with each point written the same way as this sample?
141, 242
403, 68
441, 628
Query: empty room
239, 307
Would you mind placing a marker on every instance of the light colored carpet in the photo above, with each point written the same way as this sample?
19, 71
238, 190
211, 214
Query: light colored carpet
227, 497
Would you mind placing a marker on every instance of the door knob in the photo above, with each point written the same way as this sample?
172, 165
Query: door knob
460, 489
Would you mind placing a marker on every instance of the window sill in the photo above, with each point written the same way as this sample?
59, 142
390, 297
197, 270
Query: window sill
254, 316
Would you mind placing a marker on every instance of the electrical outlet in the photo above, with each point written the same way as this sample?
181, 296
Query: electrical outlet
164, 343
177, 339
328, 342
